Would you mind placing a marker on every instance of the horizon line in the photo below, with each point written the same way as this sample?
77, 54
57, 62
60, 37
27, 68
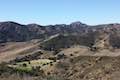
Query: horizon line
26, 23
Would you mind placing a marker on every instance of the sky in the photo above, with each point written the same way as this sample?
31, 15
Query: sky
47, 12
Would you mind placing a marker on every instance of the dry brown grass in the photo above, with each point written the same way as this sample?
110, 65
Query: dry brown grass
13, 49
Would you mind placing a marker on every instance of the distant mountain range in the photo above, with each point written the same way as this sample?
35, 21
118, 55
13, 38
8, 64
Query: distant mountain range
12, 31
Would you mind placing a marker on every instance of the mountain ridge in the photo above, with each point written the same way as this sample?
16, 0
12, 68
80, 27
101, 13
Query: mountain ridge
15, 32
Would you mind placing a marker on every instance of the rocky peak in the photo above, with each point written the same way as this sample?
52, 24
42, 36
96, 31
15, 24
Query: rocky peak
78, 24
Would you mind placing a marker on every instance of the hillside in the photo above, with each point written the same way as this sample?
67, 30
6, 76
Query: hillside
11, 31
59, 52
15, 32
10, 50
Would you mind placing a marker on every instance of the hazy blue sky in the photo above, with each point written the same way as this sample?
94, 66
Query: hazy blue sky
60, 11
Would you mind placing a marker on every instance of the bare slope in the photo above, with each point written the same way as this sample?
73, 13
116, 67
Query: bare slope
11, 50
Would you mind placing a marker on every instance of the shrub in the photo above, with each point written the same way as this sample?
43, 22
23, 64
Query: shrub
24, 65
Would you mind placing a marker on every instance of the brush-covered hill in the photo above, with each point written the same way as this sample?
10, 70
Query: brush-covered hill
59, 52
12, 31
77, 33
66, 41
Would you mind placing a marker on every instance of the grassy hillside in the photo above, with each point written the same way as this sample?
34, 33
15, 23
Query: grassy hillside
29, 65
